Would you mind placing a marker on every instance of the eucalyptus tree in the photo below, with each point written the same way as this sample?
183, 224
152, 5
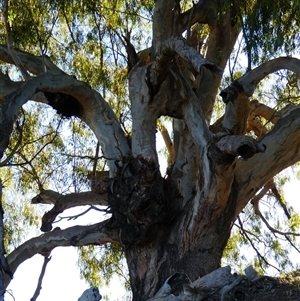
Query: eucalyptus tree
121, 66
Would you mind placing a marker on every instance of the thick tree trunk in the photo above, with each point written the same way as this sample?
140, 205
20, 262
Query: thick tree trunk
191, 241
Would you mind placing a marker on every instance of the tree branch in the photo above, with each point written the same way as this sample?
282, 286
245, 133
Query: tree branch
259, 255
203, 12
39, 285
250, 80
236, 96
7, 86
4, 267
282, 150
93, 110
64, 202
255, 203
97, 234
32, 63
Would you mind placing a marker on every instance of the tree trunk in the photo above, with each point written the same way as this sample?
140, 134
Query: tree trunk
195, 252
160, 237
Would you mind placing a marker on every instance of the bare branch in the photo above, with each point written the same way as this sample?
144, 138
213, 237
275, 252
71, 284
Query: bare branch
39, 285
97, 234
255, 204
74, 217
259, 255
64, 202
250, 80
34, 64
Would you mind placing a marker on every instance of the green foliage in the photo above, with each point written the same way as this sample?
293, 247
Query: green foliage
98, 265
271, 27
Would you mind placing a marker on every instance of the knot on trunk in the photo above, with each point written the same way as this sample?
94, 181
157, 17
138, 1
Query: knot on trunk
138, 202
231, 92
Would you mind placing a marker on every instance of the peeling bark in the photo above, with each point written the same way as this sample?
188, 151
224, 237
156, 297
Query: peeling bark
282, 150
78, 235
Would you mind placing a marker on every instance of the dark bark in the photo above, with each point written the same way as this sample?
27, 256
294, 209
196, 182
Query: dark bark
177, 248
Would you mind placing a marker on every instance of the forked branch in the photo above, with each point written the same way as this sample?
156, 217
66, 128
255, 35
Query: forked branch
64, 202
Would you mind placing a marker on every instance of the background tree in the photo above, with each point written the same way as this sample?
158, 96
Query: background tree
111, 70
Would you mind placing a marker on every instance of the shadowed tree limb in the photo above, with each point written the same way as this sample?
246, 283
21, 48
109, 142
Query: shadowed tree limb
96, 234
178, 46
282, 150
32, 63
4, 268
39, 285
94, 111
64, 202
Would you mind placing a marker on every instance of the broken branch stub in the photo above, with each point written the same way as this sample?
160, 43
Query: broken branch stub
245, 147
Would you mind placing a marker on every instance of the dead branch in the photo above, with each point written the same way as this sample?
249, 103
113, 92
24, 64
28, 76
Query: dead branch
74, 217
64, 202
39, 285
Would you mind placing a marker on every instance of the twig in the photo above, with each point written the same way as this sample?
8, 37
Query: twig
96, 159
9, 291
39, 285
254, 248
258, 213
73, 217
